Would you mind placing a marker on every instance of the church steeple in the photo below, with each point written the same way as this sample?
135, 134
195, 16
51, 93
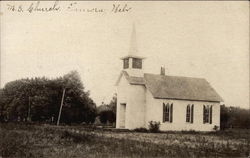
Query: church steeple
132, 63
133, 42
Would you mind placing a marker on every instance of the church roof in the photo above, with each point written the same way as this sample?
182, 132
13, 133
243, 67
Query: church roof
131, 79
176, 87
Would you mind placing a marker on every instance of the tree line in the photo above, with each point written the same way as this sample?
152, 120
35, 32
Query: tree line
38, 99
234, 117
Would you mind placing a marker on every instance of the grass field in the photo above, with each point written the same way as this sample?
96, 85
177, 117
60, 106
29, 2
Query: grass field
20, 140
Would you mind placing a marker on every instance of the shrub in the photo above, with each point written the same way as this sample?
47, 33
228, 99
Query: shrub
189, 132
154, 126
216, 128
141, 130
107, 116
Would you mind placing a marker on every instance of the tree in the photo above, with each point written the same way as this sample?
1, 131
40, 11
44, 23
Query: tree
234, 117
2, 102
224, 115
42, 98
107, 117
113, 103
107, 112
78, 106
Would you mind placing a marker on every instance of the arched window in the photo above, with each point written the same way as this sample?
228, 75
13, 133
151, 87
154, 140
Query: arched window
190, 113
210, 114
207, 114
167, 112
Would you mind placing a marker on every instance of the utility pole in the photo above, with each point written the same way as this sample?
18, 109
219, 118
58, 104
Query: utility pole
60, 111
29, 119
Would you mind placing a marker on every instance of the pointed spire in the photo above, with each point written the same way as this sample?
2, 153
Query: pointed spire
133, 42
133, 51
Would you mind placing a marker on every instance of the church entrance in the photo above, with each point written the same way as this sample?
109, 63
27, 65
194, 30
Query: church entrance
122, 115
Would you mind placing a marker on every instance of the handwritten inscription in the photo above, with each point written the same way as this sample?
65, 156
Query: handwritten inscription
36, 7
120, 8
73, 7
14, 8
55, 6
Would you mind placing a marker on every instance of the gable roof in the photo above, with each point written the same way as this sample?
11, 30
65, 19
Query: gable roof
131, 79
175, 87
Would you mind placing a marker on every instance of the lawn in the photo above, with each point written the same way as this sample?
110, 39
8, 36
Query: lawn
21, 140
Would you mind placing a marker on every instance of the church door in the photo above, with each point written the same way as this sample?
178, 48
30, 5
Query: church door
122, 115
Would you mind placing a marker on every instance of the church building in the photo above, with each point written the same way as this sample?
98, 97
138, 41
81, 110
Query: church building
178, 103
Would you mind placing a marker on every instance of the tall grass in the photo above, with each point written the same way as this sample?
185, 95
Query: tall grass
49, 141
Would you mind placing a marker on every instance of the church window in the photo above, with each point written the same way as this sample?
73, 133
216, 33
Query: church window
167, 112
207, 114
125, 63
190, 113
211, 114
137, 63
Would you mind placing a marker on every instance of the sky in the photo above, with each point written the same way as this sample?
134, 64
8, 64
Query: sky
195, 39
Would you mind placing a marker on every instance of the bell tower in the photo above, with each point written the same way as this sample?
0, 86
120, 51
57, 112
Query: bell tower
132, 63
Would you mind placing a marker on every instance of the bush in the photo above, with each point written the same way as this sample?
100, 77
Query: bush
143, 130
189, 132
216, 128
154, 126
107, 116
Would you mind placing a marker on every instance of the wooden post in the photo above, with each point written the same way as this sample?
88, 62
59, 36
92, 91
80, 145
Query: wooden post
29, 119
60, 111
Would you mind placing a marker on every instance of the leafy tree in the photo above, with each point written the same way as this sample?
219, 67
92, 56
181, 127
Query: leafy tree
79, 107
2, 102
113, 103
234, 117
41, 98
224, 116
107, 116
107, 112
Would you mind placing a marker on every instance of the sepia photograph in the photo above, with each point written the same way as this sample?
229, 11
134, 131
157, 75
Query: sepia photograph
100, 79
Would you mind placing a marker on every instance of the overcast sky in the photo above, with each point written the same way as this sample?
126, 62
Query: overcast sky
197, 39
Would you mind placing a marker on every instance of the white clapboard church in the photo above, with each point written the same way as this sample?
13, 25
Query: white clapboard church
178, 103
